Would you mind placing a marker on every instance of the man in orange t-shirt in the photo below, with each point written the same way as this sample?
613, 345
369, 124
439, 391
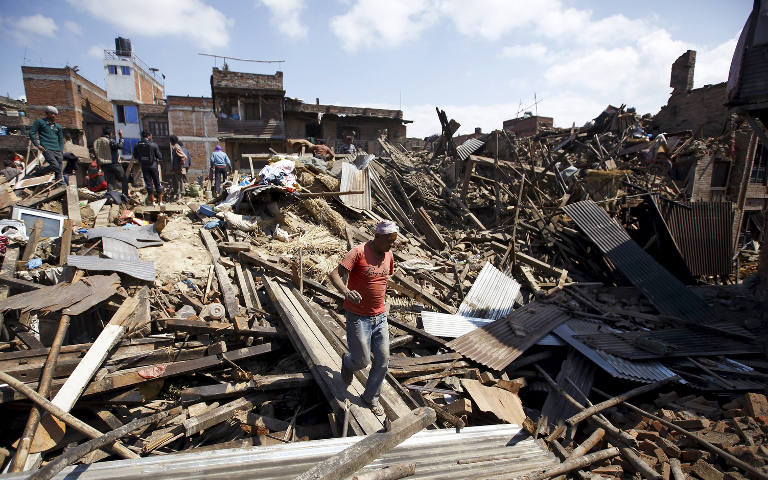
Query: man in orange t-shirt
369, 266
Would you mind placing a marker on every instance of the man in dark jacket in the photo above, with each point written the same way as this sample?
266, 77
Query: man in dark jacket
148, 154
107, 151
48, 137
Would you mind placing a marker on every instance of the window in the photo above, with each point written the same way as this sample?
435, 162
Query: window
129, 144
125, 70
759, 164
127, 114
79, 89
112, 69
251, 111
158, 129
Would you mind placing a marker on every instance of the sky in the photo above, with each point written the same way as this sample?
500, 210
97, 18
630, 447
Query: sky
482, 61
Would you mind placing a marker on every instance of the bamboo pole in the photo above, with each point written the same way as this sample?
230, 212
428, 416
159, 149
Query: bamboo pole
44, 389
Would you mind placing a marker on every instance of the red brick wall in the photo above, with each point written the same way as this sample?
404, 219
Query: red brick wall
193, 121
700, 110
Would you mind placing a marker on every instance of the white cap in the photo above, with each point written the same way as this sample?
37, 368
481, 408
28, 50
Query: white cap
50, 109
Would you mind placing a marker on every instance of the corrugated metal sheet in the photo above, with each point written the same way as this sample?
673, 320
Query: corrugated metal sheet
638, 371
470, 146
435, 453
119, 250
140, 270
450, 326
352, 180
663, 289
145, 236
679, 342
500, 343
578, 370
702, 232
492, 295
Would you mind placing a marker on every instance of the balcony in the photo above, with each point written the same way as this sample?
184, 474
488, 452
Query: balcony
251, 129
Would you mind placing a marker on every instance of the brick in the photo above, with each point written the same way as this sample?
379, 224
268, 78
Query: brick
734, 412
720, 427
513, 386
691, 455
755, 404
693, 424
705, 471
659, 453
647, 446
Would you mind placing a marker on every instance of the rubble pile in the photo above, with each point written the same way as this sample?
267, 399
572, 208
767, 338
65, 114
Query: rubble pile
533, 285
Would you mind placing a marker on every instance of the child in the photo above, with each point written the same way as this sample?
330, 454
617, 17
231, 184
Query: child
96, 180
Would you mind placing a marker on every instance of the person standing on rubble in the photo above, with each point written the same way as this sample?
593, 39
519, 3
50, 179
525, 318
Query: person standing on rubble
48, 137
180, 161
220, 166
106, 149
369, 266
148, 154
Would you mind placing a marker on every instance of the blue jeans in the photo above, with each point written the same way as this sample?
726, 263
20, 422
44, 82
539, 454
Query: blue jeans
366, 335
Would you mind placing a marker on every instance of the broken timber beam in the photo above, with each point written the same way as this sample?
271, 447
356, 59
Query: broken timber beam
225, 284
34, 239
73, 202
199, 326
355, 457
258, 382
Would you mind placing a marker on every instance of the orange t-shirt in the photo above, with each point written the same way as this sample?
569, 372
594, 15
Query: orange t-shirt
368, 274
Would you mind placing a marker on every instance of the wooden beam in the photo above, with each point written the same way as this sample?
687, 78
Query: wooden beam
217, 415
73, 202
34, 239
418, 332
356, 456
199, 326
259, 382
66, 242
225, 284
244, 290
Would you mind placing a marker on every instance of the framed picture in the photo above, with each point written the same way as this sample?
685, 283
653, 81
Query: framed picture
53, 223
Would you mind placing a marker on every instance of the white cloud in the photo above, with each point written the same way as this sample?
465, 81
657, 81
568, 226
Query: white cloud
97, 51
201, 24
373, 22
26, 30
286, 16
73, 28
531, 50
712, 63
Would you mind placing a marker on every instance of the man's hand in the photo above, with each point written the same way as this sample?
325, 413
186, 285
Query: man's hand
353, 296
120, 133
41, 148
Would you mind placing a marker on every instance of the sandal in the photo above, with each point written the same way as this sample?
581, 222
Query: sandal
375, 407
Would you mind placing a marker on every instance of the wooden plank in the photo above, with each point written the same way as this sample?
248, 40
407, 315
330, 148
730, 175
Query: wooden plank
44, 197
399, 282
259, 382
34, 239
73, 202
199, 326
66, 242
254, 259
225, 284
424, 224
246, 293
217, 415
419, 333
252, 288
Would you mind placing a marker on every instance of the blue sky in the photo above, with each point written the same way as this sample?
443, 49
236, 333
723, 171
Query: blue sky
476, 59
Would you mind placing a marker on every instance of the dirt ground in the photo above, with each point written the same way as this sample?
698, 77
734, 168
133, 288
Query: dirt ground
183, 252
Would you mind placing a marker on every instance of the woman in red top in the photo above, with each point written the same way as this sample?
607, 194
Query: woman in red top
369, 266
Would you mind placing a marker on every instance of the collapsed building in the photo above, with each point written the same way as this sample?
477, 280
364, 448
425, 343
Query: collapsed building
564, 303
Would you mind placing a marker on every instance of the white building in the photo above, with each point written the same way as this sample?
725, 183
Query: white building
129, 82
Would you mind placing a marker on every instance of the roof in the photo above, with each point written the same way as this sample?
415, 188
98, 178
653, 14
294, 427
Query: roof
246, 81
434, 452
296, 105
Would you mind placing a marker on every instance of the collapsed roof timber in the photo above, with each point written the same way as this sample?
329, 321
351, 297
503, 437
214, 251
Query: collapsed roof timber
541, 284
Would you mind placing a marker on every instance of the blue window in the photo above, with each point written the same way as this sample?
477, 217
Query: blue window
129, 144
131, 114
112, 69
125, 70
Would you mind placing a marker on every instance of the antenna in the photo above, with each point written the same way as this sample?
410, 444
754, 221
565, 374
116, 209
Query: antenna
536, 104
239, 59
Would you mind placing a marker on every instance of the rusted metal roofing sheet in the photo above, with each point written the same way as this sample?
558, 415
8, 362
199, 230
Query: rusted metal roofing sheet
664, 290
637, 371
470, 146
678, 342
434, 452
501, 342
450, 326
492, 295
702, 232
353, 180
141, 270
